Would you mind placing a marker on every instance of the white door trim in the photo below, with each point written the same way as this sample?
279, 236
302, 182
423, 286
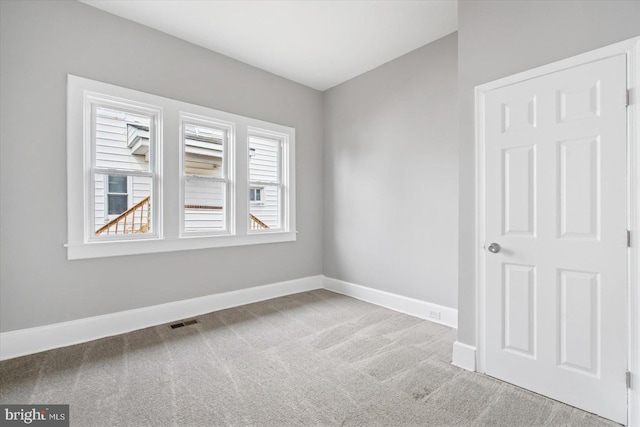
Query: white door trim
631, 48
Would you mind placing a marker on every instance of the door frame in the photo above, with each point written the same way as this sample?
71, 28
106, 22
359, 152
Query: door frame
630, 48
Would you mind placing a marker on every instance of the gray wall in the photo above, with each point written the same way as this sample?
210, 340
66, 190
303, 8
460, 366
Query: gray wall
500, 38
391, 176
43, 41
391, 155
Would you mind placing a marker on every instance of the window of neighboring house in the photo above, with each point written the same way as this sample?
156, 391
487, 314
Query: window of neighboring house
256, 195
123, 164
117, 195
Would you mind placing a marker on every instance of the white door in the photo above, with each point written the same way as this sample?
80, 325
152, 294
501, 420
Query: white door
555, 202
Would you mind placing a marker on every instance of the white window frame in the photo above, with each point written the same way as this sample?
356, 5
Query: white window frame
283, 177
228, 171
166, 195
91, 102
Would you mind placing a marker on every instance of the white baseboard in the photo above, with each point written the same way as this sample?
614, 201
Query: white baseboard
464, 356
422, 309
33, 340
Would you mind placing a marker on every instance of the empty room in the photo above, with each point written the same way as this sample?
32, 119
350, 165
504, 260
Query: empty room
319, 213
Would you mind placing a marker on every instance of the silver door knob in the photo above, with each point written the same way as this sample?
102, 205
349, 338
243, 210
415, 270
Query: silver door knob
494, 248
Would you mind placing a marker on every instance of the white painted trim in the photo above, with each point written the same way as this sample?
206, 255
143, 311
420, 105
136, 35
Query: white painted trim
414, 307
33, 340
480, 235
149, 246
228, 170
623, 47
166, 236
92, 101
284, 177
630, 48
464, 356
633, 115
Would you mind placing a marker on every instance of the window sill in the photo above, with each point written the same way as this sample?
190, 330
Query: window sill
147, 246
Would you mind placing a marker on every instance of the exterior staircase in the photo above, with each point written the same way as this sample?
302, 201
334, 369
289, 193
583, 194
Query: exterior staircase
134, 220
137, 219
256, 224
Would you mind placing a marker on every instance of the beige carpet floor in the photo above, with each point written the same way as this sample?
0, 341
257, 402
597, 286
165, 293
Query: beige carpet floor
310, 359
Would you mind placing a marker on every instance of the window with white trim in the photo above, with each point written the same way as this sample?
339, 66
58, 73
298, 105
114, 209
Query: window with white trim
265, 178
205, 169
152, 174
120, 137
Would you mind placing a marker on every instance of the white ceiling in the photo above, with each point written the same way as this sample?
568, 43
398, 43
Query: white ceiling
319, 43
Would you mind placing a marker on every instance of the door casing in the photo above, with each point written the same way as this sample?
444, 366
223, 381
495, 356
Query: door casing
630, 48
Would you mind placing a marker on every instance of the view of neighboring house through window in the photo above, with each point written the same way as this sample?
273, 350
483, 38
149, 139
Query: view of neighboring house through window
122, 176
205, 168
150, 174
265, 180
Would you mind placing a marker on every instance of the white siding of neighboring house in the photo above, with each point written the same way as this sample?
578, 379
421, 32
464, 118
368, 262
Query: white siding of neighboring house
112, 151
101, 218
264, 167
204, 194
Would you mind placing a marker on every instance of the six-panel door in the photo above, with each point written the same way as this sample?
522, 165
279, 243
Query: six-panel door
555, 200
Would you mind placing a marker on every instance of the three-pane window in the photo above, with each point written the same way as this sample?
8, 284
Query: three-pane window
153, 174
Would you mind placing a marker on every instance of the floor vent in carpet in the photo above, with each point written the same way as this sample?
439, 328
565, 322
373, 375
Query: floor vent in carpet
181, 324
